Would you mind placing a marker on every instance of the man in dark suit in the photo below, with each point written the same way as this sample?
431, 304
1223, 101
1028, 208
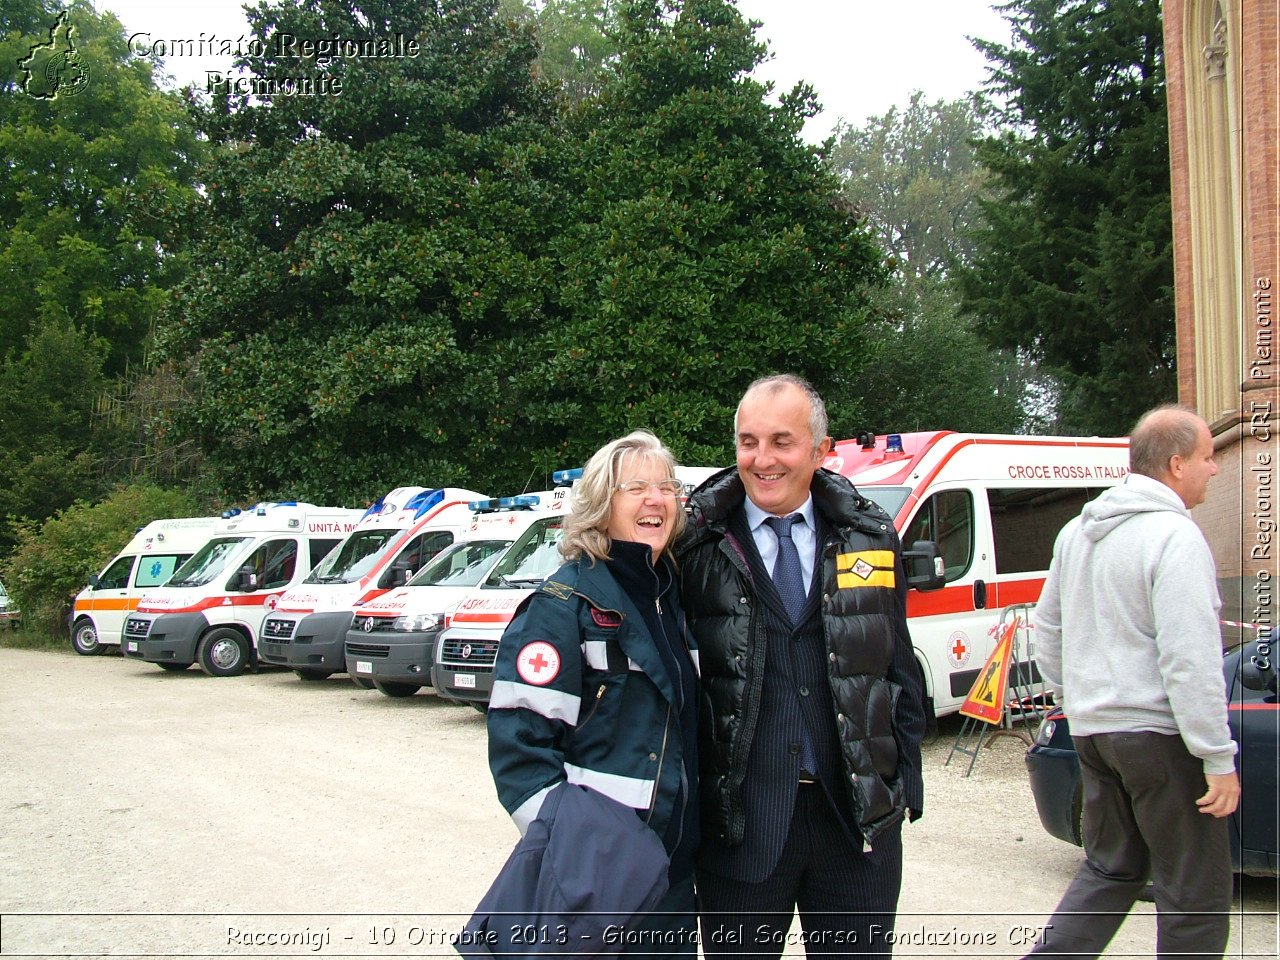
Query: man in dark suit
812, 705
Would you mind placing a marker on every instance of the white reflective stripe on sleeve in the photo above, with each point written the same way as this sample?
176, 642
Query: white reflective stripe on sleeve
596, 654
528, 811
552, 704
634, 793
697, 664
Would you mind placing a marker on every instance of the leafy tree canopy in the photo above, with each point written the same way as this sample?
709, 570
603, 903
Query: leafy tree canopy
1074, 262
86, 184
710, 245
913, 174
368, 263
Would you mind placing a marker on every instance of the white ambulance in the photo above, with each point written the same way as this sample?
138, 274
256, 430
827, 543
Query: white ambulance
211, 609
394, 540
993, 505
468, 647
146, 562
392, 638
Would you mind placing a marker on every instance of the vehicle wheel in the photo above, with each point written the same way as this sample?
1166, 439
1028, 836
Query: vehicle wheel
309, 673
364, 683
84, 638
173, 667
223, 653
394, 689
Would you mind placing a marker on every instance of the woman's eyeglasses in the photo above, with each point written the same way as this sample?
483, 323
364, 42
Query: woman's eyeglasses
638, 488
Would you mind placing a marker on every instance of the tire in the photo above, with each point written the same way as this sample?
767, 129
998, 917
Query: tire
395, 689
312, 674
364, 683
173, 667
223, 653
84, 638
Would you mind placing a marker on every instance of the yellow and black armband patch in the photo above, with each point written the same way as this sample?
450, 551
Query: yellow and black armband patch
866, 568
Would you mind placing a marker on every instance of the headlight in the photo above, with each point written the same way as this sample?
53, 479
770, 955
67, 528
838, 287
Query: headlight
416, 623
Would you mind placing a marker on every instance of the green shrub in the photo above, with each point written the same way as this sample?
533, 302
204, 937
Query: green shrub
53, 560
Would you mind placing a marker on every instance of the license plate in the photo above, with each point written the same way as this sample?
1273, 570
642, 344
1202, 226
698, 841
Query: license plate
364, 666
133, 647
464, 680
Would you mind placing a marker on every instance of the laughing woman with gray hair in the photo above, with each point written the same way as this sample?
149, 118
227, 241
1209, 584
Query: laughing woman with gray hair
596, 678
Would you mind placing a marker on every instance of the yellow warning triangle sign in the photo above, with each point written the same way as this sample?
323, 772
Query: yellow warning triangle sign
986, 697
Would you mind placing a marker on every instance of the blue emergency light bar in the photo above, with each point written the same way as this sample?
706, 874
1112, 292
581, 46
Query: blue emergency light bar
524, 501
228, 514
424, 502
893, 443
375, 508
562, 478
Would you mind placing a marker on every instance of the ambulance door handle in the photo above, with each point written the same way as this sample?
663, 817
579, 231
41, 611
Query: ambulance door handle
979, 595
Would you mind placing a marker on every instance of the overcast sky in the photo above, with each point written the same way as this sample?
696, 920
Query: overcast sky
862, 56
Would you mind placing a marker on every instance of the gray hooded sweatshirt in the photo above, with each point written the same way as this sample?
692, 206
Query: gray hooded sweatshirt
1127, 630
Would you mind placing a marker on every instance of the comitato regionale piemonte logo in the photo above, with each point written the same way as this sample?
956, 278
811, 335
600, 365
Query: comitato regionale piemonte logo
55, 69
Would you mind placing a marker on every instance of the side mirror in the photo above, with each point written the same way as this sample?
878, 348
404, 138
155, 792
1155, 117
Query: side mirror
245, 580
1257, 672
93, 580
925, 567
399, 573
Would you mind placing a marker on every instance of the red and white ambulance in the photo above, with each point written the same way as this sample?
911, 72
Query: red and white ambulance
212, 608
395, 538
147, 561
392, 639
993, 505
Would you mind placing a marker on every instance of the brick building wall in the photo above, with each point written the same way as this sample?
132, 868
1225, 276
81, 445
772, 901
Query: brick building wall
1241, 512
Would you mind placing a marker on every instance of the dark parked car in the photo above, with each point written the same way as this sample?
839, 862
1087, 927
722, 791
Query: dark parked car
1254, 717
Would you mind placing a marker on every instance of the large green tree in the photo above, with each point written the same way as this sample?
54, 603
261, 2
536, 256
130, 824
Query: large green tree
710, 245
88, 179
1074, 262
911, 172
369, 261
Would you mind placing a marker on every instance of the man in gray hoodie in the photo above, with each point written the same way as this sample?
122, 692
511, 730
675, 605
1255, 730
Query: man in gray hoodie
1127, 638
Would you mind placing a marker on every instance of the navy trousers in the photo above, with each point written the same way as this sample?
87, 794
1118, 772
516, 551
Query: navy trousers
847, 899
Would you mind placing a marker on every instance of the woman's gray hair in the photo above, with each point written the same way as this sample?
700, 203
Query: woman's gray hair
586, 527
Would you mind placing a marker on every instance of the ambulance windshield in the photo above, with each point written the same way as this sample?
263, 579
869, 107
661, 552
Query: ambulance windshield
354, 557
890, 499
532, 558
206, 563
461, 564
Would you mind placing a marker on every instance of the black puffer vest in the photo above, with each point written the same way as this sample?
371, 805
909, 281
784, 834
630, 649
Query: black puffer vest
863, 618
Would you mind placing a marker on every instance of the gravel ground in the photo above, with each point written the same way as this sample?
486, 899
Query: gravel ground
155, 814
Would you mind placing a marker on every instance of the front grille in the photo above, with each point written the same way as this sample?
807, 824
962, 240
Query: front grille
374, 624
471, 654
279, 630
137, 629
368, 649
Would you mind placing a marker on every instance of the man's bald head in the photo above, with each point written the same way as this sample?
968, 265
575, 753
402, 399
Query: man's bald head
1173, 445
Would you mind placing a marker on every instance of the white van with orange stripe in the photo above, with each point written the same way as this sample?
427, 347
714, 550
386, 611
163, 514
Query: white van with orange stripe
212, 608
146, 562
394, 540
993, 504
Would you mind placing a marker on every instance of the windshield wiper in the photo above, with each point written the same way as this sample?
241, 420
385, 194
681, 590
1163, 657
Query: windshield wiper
521, 581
